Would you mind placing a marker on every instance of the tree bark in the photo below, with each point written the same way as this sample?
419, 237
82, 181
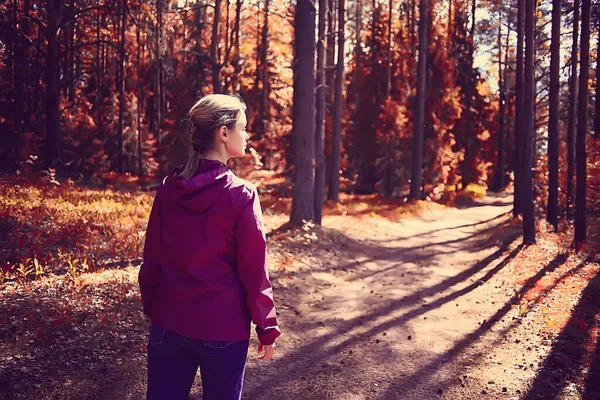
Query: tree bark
139, 92
334, 177
572, 114
320, 120
467, 173
356, 80
519, 117
214, 49
264, 77
304, 115
20, 66
330, 74
388, 86
500, 171
528, 133
417, 145
554, 111
582, 122
121, 84
53, 133
597, 102
99, 73
158, 78
237, 67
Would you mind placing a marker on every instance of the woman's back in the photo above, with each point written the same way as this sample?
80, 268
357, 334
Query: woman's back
203, 227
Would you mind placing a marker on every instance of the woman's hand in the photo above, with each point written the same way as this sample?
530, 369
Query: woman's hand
269, 350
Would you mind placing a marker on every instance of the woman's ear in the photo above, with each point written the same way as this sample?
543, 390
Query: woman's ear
222, 132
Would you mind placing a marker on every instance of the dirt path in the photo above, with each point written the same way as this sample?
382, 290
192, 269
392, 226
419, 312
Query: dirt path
425, 308
409, 310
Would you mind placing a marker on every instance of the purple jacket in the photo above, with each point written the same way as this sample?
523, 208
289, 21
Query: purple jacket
204, 274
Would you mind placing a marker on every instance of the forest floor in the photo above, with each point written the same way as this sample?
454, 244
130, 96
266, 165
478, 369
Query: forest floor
445, 304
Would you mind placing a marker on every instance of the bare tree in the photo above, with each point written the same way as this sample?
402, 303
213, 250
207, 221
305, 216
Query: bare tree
528, 132
572, 114
418, 135
554, 117
582, 122
334, 177
320, 114
304, 114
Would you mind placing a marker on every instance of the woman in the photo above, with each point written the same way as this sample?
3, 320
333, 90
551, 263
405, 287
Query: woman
204, 274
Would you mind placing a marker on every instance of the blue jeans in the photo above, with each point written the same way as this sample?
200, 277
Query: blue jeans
173, 361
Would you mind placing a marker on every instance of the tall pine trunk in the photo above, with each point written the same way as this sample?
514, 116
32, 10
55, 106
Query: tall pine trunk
263, 75
554, 117
388, 67
582, 122
53, 133
572, 113
237, 66
418, 135
121, 83
214, 49
139, 92
529, 123
158, 78
466, 167
597, 101
304, 114
334, 177
500, 171
519, 108
320, 120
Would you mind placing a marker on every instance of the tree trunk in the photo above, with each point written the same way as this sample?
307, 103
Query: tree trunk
121, 83
597, 102
70, 55
500, 171
214, 49
388, 86
264, 77
554, 117
53, 133
467, 172
139, 93
330, 74
19, 68
99, 73
528, 133
304, 114
237, 66
519, 117
320, 120
158, 77
417, 145
336, 135
413, 28
582, 122
572, 114
357, 81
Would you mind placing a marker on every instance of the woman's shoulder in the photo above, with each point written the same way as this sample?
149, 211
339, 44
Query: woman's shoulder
242, 190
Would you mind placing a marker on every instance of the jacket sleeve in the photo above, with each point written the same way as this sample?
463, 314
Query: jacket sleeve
150, 270
252, 268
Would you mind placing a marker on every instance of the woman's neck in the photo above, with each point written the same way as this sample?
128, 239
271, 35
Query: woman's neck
214, 155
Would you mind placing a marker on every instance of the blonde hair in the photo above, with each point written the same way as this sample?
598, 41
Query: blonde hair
208, 114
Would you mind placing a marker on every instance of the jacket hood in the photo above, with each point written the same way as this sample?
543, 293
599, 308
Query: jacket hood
202, 190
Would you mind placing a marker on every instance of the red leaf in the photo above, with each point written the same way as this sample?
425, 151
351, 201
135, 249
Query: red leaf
581, 324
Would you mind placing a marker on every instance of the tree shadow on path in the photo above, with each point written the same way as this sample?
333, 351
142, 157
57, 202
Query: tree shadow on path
570, 356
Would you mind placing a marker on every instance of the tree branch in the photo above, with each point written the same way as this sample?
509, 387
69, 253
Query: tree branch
94, 43
78, 13
20, 33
